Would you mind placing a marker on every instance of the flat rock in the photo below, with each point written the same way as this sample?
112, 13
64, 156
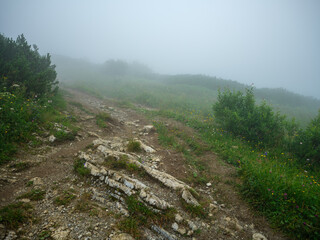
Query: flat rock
258, 236
122, 236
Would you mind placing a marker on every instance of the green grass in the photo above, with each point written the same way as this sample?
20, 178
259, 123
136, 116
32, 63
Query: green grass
123, 163
141, 216
102, 119
34, 195
62, 136
44, 235
15, 214
20, 117
195, 211
80, 169
134, 146
272, 180
191, 150
64, 199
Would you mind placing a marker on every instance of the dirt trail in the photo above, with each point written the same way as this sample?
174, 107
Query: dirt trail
91, 208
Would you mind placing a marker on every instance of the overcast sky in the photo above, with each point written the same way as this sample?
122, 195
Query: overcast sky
271, 43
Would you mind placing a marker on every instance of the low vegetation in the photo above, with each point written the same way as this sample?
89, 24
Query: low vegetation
15, 214
134, 146
102, 119
123, 163
34, 195
65, 198
29, 94
80, 169
142, 216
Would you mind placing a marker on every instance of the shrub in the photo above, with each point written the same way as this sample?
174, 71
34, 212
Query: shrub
24, 66
307, 145
27, 82
238, 114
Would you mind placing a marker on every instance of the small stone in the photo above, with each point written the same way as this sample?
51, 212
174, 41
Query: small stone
175, 226
121, 236
258, 236
25, 200
52, 138
209, 184
178, 218
36, 181
189, 233
147, 128
239, 227
182, 231
192, 225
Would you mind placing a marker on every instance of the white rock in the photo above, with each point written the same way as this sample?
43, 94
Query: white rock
178, 218
192, 226
52, 138
175, 226
121, 236
187, 196
209, 184
182, 231
147, 128
258, 236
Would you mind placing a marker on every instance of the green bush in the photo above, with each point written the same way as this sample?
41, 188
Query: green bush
23, 66
27, 86
238, 114
307, 144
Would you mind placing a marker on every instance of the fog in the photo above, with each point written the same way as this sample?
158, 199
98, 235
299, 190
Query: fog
273, 43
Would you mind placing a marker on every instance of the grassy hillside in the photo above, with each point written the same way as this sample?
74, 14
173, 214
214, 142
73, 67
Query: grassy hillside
280, 177
187, 92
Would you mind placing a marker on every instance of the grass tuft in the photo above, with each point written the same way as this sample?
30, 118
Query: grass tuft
102, 118
34, 195
134, 146
64, 199
80, 169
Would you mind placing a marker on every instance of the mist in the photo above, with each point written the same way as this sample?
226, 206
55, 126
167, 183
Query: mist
271, 43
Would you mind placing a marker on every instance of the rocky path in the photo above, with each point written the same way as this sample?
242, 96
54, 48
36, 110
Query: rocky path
126, 194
